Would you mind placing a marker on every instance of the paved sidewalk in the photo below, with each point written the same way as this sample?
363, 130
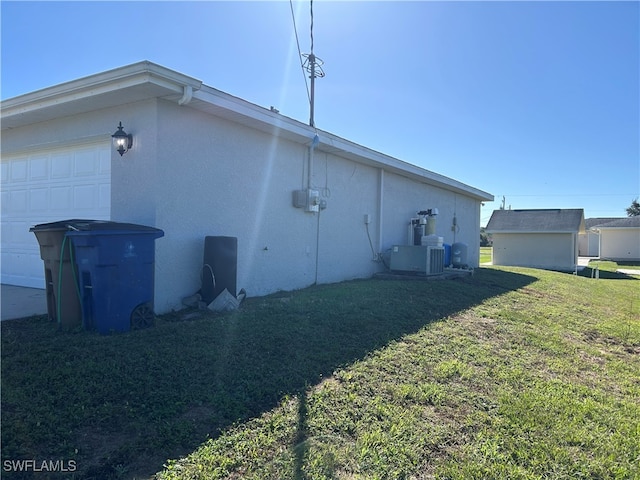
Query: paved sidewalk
20, 302
584, 262
628, 271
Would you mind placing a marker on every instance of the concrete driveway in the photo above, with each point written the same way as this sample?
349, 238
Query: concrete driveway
20, 302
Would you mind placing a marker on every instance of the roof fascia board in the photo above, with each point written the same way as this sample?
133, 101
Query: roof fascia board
101, 83
224, 105
265, 120
606, 227
366, 155
532, 231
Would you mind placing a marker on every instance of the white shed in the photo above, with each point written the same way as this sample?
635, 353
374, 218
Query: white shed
619, 238
545, 238
206, 163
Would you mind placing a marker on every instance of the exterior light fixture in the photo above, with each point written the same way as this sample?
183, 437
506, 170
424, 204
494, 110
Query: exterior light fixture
122, 140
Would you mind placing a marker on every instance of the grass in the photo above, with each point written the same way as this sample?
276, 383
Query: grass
486, 255
509, 373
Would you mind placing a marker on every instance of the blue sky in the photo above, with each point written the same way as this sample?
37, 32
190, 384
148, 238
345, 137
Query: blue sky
535, 101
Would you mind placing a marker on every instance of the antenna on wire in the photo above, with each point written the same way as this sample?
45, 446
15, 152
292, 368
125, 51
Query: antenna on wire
313, 65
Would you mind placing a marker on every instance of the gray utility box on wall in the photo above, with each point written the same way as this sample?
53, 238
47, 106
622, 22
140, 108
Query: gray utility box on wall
418, 259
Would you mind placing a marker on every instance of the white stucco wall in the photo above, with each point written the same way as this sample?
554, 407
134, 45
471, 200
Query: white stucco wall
192, 174
589, 244
620, 244
134, 189
403, 198
556, 251
351, 191
228, 179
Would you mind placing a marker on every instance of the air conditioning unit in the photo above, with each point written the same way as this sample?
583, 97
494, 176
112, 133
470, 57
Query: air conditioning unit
418, 259
435, 260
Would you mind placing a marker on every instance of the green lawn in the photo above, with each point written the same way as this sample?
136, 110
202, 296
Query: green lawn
509, 373
486, 255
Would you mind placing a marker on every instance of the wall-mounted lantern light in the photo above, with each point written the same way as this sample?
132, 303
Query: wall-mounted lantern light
122, 140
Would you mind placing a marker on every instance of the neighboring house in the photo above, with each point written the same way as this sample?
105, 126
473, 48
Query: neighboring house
617, 238
206, 163
536, 238
589, 241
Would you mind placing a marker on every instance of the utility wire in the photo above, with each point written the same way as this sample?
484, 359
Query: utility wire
293, 17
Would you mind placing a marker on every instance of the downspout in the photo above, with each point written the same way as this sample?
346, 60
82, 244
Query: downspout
380, 209
315, 279
312, 147
187, 95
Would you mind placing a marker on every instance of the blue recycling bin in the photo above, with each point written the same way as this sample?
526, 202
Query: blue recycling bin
447, 255
115, 264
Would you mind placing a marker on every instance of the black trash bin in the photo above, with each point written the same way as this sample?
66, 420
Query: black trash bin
60, 273
115, 263
220, 267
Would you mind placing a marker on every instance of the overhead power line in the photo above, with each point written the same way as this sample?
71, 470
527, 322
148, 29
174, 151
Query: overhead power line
295, 30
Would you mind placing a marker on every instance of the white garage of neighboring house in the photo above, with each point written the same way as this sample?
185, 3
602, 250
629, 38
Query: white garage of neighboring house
589, 241
546, 238
617, 239
306, 206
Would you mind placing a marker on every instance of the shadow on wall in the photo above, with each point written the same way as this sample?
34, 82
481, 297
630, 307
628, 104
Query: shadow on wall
133, 400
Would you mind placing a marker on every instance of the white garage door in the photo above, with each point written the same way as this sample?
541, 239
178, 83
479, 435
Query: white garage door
47, 186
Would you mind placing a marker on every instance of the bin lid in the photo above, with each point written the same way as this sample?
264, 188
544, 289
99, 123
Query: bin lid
59, 225
94, 226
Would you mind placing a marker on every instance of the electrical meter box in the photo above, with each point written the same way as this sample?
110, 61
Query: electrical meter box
313, 203
308, 199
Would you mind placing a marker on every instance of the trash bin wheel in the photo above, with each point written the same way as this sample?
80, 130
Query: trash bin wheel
142, 317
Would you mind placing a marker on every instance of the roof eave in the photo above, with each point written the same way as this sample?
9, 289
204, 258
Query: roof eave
144, 80
605, 227
111, 88
532, 231
219, 103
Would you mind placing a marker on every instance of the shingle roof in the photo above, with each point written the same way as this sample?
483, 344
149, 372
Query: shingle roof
624, 222
592, 222
537, 221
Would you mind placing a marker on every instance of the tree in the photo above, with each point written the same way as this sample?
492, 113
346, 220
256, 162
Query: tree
634, 209
485, 238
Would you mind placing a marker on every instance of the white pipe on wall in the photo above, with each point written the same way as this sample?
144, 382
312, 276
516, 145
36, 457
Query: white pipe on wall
312, 147
380, 208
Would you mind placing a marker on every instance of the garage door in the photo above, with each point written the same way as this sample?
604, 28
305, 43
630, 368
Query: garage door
46, 186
